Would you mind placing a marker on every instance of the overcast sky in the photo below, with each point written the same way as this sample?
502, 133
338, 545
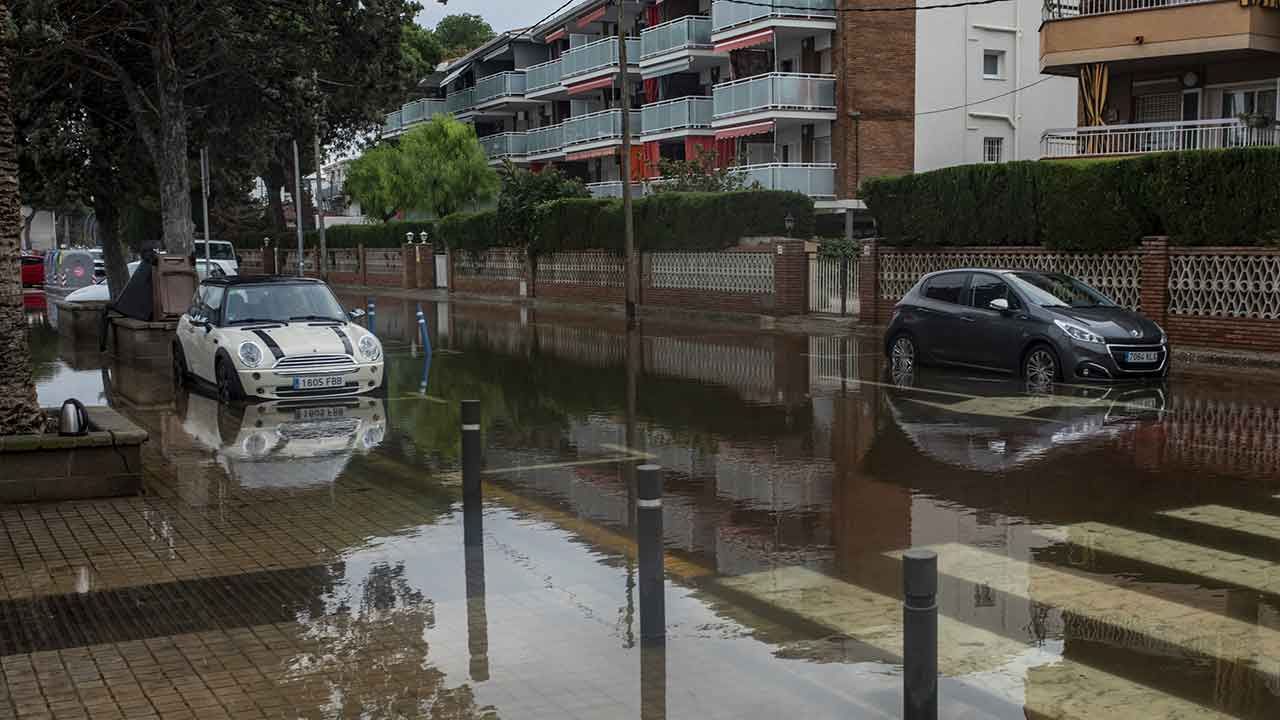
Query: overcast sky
501, 14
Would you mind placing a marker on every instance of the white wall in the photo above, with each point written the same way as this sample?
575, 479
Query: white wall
42, 228
949, 59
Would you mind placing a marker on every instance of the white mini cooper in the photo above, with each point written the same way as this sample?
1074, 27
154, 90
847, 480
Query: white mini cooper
274, 338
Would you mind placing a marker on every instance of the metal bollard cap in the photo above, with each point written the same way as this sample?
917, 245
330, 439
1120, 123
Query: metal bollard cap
470, 412
649, 482
920, 573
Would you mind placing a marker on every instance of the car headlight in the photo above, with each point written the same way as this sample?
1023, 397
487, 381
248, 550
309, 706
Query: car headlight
1075, 332
256, 444
1164, 337
250, 354
372, 437
369, 348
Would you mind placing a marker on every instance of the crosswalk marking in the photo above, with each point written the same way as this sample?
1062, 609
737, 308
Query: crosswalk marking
1245, 521
1045, 683
1191, 629
1186, 557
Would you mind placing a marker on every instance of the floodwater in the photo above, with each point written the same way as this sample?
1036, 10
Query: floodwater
1103, 552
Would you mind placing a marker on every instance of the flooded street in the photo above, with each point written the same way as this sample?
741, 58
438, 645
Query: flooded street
1103, 552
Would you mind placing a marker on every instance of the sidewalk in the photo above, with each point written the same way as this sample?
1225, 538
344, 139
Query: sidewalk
1199, 359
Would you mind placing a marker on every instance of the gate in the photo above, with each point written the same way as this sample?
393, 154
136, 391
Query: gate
442, 271
833, 285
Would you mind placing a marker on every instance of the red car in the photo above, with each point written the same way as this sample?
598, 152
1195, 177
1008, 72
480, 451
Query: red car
32, 270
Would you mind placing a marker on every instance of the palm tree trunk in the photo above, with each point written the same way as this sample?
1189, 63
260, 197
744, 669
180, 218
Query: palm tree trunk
19, 410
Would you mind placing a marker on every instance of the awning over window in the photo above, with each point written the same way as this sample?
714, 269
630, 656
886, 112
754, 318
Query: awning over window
556, 35
745, 41
455, 74
592, 16
590, 154
738, 131
667, 68
596, 84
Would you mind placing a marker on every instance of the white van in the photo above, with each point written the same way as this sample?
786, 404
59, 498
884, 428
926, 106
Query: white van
221, 253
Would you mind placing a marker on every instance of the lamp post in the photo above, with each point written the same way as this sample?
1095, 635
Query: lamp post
422, 237
789, 222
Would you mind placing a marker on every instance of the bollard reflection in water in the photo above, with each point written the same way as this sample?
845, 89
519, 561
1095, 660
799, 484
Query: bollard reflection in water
473, 542
653, 610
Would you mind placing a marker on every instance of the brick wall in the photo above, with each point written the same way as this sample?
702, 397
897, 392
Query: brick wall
875, 64
581, 293
485, 286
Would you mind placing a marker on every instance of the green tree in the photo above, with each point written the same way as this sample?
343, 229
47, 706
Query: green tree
421, 50
445, 167
700, 174
462, 33
522, 191
374, 180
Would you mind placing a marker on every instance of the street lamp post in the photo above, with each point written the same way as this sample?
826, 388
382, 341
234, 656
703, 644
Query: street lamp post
789, 222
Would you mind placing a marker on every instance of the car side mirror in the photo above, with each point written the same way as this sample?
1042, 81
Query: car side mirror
356, 314
999, 305
239, 259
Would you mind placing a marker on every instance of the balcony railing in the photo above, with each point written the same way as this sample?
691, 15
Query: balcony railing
613, 189
691, 31
597, 126
545, 140
598, 55
1142, 138
1059, 9
505, 145
678, 114
503, 84
813, 179
775, 91
726, 13
542, 76
421, 110
393, 123
460, 101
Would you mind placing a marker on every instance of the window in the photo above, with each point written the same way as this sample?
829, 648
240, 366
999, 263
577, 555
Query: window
946, 288
984, 288
993, 149
993, 64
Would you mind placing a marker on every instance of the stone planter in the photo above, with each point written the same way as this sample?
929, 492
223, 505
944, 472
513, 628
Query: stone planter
105, 463
78, 323
142, 342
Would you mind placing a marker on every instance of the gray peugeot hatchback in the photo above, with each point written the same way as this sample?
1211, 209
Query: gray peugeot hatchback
1047, 327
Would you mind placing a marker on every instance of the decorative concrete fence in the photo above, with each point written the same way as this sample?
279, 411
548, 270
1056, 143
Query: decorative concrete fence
251, 262
1202, 296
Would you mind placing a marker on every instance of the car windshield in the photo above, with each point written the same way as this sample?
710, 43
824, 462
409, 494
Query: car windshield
280, 302
217, 251
1058, 290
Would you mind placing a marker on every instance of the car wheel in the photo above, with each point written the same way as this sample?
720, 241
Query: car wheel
179, 366
1040, 367
229, 389
902, 354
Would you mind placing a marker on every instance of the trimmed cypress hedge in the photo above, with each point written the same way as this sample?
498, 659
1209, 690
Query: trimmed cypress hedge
1205, 197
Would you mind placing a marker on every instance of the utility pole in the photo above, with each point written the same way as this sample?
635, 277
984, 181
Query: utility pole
628, 227
324, 250
204, 191
297, 205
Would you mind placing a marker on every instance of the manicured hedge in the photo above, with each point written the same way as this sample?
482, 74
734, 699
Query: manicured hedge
1209, 197
337, 237
472, 232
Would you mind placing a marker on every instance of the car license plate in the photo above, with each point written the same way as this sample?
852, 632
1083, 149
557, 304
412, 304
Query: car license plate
318, 382
1146, 356
319, 413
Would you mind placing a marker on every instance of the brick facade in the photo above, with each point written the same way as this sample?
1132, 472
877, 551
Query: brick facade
875, 67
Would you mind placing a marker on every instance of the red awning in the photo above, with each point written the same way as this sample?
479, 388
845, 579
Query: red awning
556, 35
744, 130
589, 154
744, 41
592, 16
596, 84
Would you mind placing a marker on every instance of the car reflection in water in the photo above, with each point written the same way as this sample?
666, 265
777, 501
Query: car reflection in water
285, 443
994, 425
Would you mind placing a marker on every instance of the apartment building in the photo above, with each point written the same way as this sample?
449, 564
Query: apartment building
1164, 74
794, 94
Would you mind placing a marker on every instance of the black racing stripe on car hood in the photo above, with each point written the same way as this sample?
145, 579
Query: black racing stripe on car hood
272, 345
346, 341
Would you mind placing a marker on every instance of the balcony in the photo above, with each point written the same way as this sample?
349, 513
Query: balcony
817, 180
598, 127
510, 145
675, 116
597, 56
545, 141
510, 84
1137, 139
421, 111
613, 189
462, 101
810, 13
392, 124
687, 33
542, 77
802, 96
1138, 32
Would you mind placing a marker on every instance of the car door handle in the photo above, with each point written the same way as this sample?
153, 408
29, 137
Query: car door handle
966, 318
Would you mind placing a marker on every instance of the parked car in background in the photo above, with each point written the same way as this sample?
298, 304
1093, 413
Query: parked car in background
221, 253
32, 270
98, 291
1047, 327
274, 337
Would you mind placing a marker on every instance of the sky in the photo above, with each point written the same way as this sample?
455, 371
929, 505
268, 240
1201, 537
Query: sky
501, 14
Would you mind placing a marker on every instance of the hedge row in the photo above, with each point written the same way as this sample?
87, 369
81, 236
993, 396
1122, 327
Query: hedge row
337, 237
1206, 197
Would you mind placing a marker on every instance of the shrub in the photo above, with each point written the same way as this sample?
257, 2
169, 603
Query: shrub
472, 232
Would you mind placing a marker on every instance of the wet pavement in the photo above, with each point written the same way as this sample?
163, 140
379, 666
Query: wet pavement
1103, 552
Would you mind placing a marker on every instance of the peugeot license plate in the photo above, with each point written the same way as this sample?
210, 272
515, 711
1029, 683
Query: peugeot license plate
318, 383
1145, 356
